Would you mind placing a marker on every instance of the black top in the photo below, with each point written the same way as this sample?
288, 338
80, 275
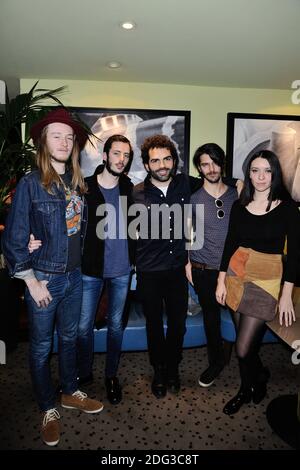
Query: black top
265, 233
73, 221
157, 252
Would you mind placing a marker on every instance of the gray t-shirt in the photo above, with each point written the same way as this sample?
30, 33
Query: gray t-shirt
116, 257
215, 229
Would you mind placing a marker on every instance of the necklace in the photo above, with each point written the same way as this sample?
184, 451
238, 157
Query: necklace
66, 186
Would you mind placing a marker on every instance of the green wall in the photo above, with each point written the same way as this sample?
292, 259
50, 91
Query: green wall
208, 105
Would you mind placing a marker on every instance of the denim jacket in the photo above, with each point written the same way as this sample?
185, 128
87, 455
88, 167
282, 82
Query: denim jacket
36, 211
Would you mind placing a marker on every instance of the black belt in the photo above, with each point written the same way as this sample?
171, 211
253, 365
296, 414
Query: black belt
202, 266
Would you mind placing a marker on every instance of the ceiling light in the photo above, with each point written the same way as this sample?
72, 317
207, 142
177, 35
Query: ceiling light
114, 64
128, 25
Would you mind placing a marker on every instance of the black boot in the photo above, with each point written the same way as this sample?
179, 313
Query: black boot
259, 392
233, 406
113, 390
159, 384
87, 380
173, 380
259, 388
244, 394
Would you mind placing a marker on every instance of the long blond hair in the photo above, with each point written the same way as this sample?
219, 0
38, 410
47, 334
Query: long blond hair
48, 174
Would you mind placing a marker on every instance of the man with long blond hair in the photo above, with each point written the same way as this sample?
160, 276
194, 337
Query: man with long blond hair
49, 203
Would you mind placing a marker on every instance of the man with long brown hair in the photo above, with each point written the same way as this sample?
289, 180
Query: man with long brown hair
49, 203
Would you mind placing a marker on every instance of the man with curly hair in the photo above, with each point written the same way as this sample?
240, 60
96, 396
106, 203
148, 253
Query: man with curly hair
161, 257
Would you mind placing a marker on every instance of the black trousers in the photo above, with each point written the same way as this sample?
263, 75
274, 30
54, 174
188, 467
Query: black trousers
205, 283
167, 291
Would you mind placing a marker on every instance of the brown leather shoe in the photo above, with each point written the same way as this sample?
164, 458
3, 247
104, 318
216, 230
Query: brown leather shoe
50, 430
80, 401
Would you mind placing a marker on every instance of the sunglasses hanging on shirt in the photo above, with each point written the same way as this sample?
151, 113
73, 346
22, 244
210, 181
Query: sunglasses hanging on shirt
220, 211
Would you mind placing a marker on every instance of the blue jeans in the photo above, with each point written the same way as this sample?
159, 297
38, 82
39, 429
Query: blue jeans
64, 312
117, 294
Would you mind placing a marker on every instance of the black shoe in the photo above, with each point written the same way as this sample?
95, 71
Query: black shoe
87, 380
233, 406
113, 390
159, 385
259, 392
264, 375
208, 377
259, 388
173, 381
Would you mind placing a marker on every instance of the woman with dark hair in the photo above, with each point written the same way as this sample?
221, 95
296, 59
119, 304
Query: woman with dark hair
277, 190
251, 269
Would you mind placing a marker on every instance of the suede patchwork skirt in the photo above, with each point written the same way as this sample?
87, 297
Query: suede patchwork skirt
253, 283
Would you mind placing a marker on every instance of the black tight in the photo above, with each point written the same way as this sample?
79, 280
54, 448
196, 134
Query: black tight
250, 332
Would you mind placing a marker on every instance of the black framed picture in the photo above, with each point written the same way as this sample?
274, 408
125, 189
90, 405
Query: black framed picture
136, 125
250, 133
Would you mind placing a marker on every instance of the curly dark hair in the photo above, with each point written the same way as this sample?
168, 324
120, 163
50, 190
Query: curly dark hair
158, 141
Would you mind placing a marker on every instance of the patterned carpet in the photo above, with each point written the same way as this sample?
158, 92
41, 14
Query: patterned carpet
191, 421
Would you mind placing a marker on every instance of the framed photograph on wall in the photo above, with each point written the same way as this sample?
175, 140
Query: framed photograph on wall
250, 133
136, 125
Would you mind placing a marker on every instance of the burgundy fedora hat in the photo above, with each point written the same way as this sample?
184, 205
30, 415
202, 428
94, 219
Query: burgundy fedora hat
59, 115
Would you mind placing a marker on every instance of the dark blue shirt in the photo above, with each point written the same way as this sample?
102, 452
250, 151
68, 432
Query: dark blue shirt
116, 258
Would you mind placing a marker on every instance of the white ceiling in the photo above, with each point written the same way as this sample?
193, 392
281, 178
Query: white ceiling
234, 43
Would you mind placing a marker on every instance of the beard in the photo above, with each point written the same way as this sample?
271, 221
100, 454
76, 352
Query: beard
212, 177
169, 174
111, 171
